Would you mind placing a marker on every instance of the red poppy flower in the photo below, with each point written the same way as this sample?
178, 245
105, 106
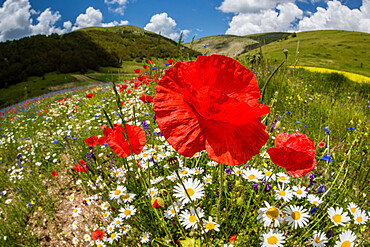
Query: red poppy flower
119, 144
321, 144
97, 234
145, 66
79, 168
232, 239
54, 173
211, 104
294, 152
137, 70
146, 98
170, 61
149, 61
91, 141
90, 95
104, 138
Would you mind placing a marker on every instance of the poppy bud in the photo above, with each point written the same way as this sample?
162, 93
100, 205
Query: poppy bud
173, 163
157, 202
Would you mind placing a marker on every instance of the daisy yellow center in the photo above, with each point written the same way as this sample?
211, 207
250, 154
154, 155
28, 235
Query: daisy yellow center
238, 172
272, 213
184, 172
144, 237
268, 173
71, 197
192, 218
144, 155
117, 192
299, 192
315, 202
317, 240
105, 214
127, 212
210, 225
152, 192
173, 211
282, 192
272, 240
353, 210
251, 177
123, 228
346, 244
113, 235
99, 245
359, 219
118, 222
337, 218
105, 205
125, 196
197, 171
296, 215
75, 211
190, 191
282, 178
208, 179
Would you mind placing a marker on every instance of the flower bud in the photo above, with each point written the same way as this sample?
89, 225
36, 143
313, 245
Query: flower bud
157, 202
173, 163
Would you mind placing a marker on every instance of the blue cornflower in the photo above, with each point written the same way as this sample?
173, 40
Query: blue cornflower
55, 141
327, 131
327, 158
312, 211
351, 128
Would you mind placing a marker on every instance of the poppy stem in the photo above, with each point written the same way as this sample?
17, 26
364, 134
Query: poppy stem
220, 192
268, 80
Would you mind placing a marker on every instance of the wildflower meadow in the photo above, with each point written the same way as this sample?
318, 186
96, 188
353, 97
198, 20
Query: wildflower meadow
206, 152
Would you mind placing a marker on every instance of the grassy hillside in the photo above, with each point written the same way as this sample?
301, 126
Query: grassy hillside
333, 49
232, 45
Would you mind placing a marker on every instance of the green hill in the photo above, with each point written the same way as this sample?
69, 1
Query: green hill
82, 50
333, 49
232, 45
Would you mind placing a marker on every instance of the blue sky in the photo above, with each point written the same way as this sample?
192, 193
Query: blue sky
20, 18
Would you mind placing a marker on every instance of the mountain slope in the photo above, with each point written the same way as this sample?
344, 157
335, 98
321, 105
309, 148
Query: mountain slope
333, 49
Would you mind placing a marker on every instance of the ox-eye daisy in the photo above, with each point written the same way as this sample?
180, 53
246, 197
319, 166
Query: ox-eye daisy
299, 192
297, 216
194, 190
352, 208
117, 192
268, 174
125, 229
315, 200
190, 218
268, 214
319, 239
127, 211
117, 221
283, 178
152, 192
282, 193
75, 240
211, 225
272, 238
346, 239
360, 217
208, 179
76, 212
145, 237
252, 175
114, 236
337, 216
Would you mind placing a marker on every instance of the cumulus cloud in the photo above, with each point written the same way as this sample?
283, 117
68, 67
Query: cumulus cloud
93, 18
162, 23
338, 16
269, 20
117, 6
249, 6
16, 22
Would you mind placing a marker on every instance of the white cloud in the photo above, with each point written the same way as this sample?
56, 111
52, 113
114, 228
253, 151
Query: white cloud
249, 6
67, 25
93, 18
270, 20
338, 16
16, 22
162, 23
117, 6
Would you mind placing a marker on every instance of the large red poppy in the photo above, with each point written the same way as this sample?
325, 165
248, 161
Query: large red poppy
97, 234
120, 145
211, 104
294, 152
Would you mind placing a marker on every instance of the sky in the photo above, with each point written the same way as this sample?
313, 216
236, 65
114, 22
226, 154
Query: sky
199, 18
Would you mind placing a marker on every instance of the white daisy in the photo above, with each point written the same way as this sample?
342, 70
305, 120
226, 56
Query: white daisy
87, 237
338, 217
184, 172
211, 225
272, 238
156, 180
268, 175
319, 239
346, 239
352, 208
297, 216
8, 201
269, 214
152, 192
299, 192
197, 171
212, 163
172, 177
126, 197
283, 178
189, 218
74, 225
106, 214
99, 243
252, 174
75, 241
104, 206
110, 228
282, 193
117, 192
127, 212
76, 212
114, 236
125, 229
194, 190
315, 200
170, 212
207, 179
360, 217
145, 237
72, 197
117, 221
238, 170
